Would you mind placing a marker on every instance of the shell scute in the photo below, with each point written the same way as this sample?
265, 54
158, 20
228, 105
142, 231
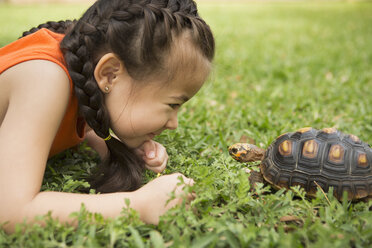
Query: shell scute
355, 139
309, 160
285, 148
304, 129
299, 179
283, 181
361, 164
336, 154
310, 149
282, 150
361, 191
333, 167
329, 130
269, 171
362, 160
315, 183
303, 133
328, 134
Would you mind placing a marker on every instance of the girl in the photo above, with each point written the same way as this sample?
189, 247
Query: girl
125, 66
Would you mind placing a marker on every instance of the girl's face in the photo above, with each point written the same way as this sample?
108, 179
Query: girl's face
141, 110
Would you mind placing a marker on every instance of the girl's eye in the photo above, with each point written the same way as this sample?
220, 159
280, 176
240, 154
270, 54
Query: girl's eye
174, 105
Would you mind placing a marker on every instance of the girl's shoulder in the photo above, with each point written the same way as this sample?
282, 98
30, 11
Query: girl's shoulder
25, 60
41, 45
34, 79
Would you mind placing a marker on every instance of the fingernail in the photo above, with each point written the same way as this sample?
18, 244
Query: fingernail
151, 154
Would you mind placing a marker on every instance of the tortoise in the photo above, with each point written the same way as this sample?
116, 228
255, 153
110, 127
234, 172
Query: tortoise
313, 158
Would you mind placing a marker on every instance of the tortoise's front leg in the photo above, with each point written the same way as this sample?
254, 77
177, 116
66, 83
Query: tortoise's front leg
255, 177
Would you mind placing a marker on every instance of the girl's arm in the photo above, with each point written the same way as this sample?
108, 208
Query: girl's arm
39, 92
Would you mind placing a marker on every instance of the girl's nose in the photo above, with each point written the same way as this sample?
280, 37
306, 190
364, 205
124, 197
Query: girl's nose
172, 122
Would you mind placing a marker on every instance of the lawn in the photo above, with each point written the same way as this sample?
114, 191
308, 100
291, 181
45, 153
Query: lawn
278, 67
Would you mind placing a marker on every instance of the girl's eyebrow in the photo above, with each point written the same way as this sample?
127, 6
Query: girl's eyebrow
182, 98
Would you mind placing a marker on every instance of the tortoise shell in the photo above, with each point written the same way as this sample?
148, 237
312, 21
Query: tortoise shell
327, 157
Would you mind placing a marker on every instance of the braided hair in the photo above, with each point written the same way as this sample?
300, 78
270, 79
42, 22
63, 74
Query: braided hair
139, 33
60, 27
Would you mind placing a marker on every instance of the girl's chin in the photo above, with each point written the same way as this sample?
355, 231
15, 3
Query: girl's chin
136, 143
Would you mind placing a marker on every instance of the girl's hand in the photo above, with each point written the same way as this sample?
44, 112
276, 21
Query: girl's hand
154, 154
154, 196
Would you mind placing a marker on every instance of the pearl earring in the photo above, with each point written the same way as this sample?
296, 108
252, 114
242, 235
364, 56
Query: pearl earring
107, 89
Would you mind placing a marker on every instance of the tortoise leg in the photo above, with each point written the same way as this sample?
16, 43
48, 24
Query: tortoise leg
255, 177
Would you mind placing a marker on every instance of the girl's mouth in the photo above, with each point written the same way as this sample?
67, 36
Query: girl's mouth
151, 135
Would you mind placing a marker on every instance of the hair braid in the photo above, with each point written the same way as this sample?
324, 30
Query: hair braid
60, 27
122, 170
79, 58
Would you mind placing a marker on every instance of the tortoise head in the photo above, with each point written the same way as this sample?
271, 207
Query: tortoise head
244, 152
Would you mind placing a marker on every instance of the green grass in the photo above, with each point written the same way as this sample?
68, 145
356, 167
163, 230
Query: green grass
278, 67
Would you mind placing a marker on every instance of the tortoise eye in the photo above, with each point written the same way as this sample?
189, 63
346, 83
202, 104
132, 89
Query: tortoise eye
234, 150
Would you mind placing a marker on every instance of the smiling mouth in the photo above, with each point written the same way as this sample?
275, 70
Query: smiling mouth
151, 135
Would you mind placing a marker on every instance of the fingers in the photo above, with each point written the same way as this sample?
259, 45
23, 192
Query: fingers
164, 193
180, 193
149, 148
179, 189
187, 181
158, 163
154, 155
156, 168
160, 155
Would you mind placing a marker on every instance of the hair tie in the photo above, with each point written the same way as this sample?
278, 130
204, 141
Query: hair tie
107, 138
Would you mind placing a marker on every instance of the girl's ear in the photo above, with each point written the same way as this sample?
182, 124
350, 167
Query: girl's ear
107, 70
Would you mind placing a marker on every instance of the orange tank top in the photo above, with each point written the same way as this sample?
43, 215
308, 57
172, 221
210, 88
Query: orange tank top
44, 44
